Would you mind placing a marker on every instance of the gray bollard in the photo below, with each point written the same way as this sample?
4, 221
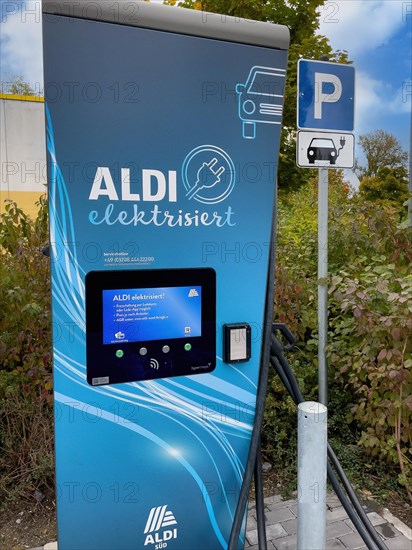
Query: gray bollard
312, 456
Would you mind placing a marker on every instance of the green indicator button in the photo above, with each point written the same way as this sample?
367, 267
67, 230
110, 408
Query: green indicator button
119, 353
188, 347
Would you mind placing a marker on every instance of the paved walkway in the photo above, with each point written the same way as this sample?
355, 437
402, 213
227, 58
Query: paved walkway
281, 527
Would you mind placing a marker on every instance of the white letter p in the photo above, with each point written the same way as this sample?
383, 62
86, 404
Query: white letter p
320, 97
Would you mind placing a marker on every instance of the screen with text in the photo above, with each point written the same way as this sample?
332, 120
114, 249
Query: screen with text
140, 314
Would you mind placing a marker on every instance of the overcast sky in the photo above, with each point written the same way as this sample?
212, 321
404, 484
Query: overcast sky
376, 33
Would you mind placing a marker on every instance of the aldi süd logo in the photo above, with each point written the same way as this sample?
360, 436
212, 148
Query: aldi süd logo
158, 529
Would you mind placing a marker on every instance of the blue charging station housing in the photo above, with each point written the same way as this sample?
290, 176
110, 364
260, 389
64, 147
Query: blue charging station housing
163, 129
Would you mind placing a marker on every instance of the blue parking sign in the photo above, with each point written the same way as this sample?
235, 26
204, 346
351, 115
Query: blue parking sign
326, 96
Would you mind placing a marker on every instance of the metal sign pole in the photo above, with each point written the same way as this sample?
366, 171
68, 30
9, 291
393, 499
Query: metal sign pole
325, 109
322, 284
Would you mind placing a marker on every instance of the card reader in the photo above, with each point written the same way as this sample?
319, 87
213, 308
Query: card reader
236, 342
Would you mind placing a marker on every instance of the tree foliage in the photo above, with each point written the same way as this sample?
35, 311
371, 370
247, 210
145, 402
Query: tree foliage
384, 178
18, 86
302, 19
389, 185
382, 150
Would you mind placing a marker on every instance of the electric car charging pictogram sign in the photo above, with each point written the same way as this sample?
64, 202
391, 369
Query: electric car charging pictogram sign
326, 96
325, 149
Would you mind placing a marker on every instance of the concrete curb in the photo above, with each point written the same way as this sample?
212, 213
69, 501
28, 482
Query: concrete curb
397, 523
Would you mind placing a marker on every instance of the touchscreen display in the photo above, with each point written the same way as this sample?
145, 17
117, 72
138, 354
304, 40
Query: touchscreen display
140, 314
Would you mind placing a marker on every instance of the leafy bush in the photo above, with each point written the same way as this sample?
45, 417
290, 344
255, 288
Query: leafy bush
26, 454
369, 322
371, 352
296, 265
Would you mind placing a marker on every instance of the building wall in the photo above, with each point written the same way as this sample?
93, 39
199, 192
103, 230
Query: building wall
23, 168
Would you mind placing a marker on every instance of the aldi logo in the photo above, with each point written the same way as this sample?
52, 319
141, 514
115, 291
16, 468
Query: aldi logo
158, 522
192, 293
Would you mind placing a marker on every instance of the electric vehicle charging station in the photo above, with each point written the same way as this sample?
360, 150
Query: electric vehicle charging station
162, 203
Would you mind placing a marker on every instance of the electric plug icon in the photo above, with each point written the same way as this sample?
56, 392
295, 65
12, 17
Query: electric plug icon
342, 142
207, 177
